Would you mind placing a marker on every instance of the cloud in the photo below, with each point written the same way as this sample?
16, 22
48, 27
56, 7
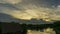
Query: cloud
27, 9
10, 1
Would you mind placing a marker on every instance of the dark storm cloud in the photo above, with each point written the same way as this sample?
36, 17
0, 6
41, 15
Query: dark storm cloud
41, 3
10, 6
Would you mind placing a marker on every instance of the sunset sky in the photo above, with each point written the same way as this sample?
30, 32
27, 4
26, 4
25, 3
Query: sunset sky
28, 9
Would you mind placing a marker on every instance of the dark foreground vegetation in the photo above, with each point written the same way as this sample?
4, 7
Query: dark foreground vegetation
23, 27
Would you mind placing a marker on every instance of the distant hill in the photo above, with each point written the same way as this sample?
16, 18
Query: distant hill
5, 17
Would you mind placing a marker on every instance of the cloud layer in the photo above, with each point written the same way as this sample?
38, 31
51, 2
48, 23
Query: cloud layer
27, 9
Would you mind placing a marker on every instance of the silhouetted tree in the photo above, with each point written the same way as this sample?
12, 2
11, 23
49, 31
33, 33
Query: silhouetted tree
57, 27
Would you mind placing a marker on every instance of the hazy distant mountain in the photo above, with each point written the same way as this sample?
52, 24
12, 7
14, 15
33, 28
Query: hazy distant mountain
5, 18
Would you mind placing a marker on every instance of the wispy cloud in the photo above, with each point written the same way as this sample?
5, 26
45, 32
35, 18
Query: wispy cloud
27, 9
10, 1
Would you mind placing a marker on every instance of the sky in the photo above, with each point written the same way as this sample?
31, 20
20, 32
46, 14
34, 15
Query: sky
28, 9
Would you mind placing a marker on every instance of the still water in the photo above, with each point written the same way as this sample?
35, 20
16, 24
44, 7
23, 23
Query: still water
44, 31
